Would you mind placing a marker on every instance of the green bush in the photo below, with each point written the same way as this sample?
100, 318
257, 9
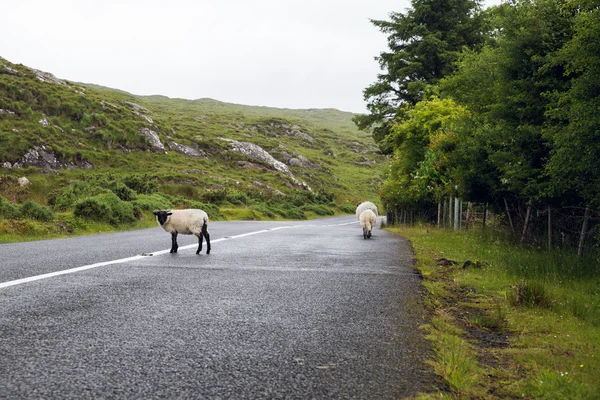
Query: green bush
318, 209
105, 207
123, 191
148, 202
348, 208
93, 209
236, 197
265, 210
142, 184
216, 196
8, 209
33, 210
75, 191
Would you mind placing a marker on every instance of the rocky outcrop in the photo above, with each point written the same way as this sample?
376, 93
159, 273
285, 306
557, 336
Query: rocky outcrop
256, 152
47, 77
294, 130
153, 139
43, 158
137, 107
144, 117
186, 150
299, 161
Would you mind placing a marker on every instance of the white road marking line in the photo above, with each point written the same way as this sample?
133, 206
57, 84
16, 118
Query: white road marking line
138, 257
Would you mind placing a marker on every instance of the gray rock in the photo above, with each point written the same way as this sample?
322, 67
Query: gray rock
44, 122
47, 77
186, 150
23, 181
41, 157
153, 139
256, 152
137, 107
144, 117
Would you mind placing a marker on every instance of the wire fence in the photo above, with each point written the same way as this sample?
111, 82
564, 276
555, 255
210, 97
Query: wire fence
551, 227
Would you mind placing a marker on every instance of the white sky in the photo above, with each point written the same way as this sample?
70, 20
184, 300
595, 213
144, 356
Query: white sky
276, 53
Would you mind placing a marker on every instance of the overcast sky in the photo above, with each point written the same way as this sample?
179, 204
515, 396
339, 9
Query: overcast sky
277, 53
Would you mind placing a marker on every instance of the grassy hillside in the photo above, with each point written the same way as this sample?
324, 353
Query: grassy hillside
57, 133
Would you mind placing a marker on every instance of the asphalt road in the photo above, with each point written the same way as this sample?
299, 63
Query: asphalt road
295, 310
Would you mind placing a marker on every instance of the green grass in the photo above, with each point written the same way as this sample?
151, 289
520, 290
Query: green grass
525, 324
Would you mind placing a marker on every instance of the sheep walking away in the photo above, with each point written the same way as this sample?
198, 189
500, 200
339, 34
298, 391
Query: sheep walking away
365, 205
368, 220
186, 222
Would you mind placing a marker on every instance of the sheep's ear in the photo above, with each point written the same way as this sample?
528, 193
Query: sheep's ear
169, 213
155, 212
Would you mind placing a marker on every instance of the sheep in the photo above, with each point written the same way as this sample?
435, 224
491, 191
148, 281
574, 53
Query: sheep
186, 222
368, 220
360, 207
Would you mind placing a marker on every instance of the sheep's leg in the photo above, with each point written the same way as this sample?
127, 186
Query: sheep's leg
199, 243
364, 233
369, 235
174, 245
207, 236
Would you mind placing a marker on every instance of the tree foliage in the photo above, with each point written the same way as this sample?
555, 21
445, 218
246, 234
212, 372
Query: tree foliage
423, 45
516, 119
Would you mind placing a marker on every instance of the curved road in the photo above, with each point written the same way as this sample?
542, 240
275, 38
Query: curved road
294, 310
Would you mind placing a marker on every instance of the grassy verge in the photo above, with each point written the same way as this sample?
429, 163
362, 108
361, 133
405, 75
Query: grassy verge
515, 323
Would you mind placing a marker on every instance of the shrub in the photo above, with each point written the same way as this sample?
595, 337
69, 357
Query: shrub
216, 196
92, 208
142, 184
318, 209
77, 190
348, 208
265, 210
147, 202
123, 191
33, 210
8, 209
236, 197
106, 207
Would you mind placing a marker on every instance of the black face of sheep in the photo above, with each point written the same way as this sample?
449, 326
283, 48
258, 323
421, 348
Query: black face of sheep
161, 216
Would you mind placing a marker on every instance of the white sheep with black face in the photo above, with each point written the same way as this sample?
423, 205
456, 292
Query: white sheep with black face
368, 220
365, 205
186, 222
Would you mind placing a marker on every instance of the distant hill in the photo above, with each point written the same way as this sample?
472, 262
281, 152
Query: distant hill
53, 131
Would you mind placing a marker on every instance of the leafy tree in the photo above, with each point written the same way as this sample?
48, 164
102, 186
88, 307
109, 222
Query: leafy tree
507, 86
423, 45
574, 166
419, 172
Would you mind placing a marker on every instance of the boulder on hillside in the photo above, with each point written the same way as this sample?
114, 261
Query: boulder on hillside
43, 158
153, 139
186, 150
